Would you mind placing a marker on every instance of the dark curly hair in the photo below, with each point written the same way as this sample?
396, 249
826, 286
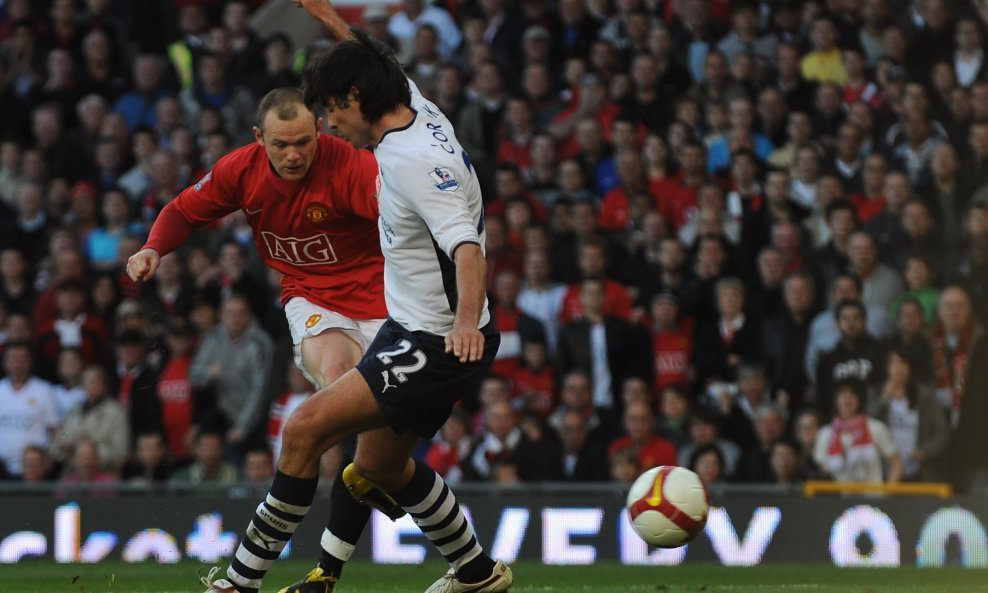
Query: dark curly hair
363, 66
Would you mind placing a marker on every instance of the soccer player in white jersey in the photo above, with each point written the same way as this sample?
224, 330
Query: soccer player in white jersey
437, 344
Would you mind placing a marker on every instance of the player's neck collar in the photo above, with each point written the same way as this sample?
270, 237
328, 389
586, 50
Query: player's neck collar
397, 121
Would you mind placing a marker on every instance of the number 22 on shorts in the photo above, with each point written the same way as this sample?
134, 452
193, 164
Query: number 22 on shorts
401, 371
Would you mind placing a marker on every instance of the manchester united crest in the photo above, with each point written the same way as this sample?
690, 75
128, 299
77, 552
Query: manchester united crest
317, 214
312, 320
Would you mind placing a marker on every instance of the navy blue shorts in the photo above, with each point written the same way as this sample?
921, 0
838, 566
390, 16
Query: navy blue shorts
415, 381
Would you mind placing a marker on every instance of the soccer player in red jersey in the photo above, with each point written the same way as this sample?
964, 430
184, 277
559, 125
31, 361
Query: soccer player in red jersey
311, 200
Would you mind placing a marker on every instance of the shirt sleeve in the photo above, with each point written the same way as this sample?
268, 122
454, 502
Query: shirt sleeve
213, 197
438, 196
208, 200
169, 231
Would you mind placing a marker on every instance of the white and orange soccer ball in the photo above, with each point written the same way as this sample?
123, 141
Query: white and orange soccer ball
668, 506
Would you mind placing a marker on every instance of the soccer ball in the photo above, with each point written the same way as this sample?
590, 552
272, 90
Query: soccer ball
668, 505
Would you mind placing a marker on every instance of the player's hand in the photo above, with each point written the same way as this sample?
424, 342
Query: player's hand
316, 8
466, 343
323, 11
143, 264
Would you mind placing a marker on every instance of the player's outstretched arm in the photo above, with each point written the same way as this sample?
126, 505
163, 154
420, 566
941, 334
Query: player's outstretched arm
143, 264
466, 341
323, 11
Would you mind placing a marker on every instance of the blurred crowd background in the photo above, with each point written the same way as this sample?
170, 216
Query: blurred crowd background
750, 238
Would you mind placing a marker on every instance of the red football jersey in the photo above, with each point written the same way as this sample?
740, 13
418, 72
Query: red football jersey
654, 452
617, 301
177, 404
672, 349
320, 232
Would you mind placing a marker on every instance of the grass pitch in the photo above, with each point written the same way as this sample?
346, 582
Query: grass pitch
363, 577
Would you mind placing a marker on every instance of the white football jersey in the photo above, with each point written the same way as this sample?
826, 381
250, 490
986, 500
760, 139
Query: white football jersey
26, 416
430, 204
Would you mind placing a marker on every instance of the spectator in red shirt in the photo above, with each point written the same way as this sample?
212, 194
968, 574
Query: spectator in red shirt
533, 384
615, 213
672, 342
590, 102
515, 146
500, 254
593, 262
174, 389
73, 327
515, 326
510, 185
678, 201
659, 166
518, 218
652, 449
451, 449
870, 200
493, 389
858, 87
542, 175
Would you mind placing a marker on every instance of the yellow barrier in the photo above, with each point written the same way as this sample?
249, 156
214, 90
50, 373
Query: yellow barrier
813, 487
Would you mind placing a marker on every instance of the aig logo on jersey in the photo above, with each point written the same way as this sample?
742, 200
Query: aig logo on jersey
310, 251
444, 179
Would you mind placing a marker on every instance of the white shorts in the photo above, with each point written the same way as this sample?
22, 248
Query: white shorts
307, 320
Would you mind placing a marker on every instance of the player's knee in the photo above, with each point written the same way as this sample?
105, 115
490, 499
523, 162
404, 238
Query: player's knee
298, 436
331, 370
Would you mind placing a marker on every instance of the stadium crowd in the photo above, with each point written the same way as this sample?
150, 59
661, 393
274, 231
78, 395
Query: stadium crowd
750, 238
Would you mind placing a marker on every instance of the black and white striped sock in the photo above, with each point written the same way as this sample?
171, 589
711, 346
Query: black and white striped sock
346, 522
268, 533
430, 502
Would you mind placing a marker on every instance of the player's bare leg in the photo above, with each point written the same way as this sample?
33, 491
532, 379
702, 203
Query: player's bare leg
326, 357
329, 355
344, 408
